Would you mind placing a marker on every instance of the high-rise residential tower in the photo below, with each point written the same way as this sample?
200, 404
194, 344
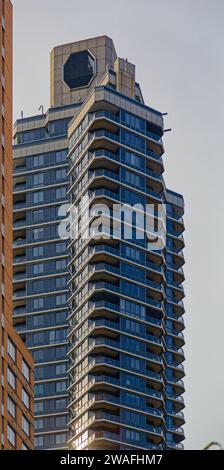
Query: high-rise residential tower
125, 289
107, 345
16, 365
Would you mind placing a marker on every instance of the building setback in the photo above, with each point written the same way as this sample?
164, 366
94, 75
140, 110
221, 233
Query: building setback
102, 316
16, 365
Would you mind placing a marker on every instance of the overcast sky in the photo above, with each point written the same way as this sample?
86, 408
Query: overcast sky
177, 46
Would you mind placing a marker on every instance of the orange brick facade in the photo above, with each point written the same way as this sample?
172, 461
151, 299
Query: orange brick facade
16, 365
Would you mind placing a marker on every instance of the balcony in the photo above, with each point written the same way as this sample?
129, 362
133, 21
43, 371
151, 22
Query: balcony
19, 259
19, 293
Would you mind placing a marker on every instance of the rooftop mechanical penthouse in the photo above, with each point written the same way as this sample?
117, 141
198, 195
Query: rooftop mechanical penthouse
120, 369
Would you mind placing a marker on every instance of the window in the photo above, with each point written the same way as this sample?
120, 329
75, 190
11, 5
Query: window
60, 248
11, 407
11, 436
132, 309
39, 407
11, 349
11, 378
132, 140
79, 69
61, 438
25, 425
38, 250
38, 303
132, 179
60, 421
38, 179
38, 268
133, 160
25, 398
61, 299
61, 282
38, 233
132, 435
60, 404
39, 424
61, 386
61, 174
38, 161
26, 370
61, 369
61, 265
38, 320
38, 197
39, 441
61, 156
38, 216
61, 192
58, 127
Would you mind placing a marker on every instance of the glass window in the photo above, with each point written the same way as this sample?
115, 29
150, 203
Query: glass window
133, 160
38, 216
39, 424
59, 127
60, 248
11, 378
11, 407
61, 386
38, 179
26, 370
79, 69
61, 299
38, 233
60, 404
61, 369
38, 160
60, 438
61, 282
39, 407
11, 349
11, 436
38, 303
61, 174
25, 398
61, 265
39, 441
38, 268
61, 156
61, 193
38, 197
38, 250
25, 425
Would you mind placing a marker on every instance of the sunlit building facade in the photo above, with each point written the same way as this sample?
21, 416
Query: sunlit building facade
102, 315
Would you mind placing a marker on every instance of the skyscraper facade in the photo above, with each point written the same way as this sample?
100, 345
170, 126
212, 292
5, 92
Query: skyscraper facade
16, 365
125, 289
40, 264
101, 311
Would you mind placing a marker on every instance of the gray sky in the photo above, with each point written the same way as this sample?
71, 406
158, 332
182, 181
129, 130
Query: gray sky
177, 46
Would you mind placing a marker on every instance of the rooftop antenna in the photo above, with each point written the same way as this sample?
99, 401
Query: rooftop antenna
21, 114
41, 108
